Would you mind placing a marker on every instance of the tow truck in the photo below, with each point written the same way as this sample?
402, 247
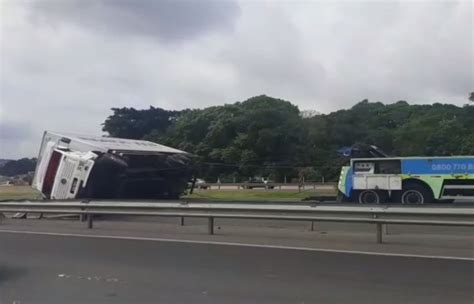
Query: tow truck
377, 178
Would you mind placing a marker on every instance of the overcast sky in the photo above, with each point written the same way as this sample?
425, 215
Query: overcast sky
65, 63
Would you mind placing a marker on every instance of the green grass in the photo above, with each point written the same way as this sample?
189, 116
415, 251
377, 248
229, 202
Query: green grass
248, 195
18, 193
28, 193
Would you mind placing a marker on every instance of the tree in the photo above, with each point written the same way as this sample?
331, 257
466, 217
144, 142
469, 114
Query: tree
471, 97
135, 124
246, 137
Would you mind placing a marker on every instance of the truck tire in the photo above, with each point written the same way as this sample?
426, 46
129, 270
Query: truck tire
369, 197
416, 193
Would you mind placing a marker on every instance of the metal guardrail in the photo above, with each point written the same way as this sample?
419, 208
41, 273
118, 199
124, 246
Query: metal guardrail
278, 186
440, 216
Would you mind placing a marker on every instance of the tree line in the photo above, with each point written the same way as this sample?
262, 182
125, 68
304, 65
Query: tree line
270, 137
265, 136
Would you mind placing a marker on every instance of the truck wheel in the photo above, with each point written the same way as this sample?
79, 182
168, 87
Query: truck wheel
369, 197
415, 193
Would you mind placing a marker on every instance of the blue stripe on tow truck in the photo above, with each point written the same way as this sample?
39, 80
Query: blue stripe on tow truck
457, 165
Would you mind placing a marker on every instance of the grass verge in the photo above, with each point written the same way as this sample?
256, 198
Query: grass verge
18, 193
28, 193
250, 195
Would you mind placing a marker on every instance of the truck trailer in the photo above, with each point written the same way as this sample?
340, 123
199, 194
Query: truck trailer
72, 166
407, 180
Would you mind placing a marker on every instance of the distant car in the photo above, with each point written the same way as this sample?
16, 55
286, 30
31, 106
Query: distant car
201, 184
258, 183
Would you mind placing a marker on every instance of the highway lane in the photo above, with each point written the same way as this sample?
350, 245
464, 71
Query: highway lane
59, 269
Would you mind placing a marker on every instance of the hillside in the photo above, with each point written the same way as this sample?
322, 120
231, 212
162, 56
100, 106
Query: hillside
18, 167
4, 161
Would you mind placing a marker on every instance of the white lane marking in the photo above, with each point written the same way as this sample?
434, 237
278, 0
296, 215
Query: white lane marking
80, 277
134, 238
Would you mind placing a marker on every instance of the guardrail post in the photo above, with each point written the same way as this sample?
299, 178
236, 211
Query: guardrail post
210, 227
379, 233
82, 216
181, 221
90, 221
312, 225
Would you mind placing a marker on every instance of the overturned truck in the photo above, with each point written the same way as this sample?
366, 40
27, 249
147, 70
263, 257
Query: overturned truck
74, 166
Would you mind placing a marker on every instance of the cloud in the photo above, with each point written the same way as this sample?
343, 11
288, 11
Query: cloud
329, 55
167, 20
64, 64
13, 131
13, 137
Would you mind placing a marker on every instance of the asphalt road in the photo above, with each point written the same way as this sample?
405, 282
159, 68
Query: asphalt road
59, 269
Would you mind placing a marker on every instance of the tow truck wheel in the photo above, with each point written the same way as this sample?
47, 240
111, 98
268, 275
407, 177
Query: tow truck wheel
415, 193
412, 197
369, 197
